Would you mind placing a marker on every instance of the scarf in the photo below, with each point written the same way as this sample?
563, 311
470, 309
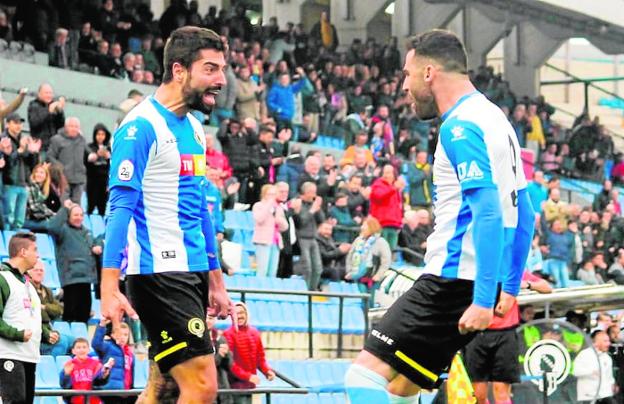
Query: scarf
362, 259
327, 35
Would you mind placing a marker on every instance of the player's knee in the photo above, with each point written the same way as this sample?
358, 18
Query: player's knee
501, 392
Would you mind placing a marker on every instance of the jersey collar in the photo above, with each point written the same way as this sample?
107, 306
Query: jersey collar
458, 103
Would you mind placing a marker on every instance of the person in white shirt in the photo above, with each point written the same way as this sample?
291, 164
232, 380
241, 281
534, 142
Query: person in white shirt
595, 379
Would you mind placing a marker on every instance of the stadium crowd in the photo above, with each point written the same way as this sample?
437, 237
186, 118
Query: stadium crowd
346, 218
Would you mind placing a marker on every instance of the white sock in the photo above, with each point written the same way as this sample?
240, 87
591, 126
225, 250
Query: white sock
394, 399
363, 386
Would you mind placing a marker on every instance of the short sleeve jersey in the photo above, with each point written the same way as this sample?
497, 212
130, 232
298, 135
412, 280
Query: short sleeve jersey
162, 156
477, 147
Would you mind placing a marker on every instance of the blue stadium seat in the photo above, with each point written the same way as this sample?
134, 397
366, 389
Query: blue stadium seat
4, 251
97, 225
62, 327
46, 376
83, 201
97, 310
47, 400
229, 219
51, 275
79, 330
60, 361
141, 369
46, 247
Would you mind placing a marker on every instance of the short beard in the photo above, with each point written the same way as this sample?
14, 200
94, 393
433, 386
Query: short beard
426, 108
193, 98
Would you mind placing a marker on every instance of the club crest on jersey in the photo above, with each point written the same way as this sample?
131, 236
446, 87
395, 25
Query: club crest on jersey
467, 172
192, 165
458, 133
131, 133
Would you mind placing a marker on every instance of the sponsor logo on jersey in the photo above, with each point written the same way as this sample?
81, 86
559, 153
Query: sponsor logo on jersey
167, 255
165, 337
467, 171
193, 165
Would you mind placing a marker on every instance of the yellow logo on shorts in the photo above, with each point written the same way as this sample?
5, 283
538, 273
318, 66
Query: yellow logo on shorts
197, 327
165, 337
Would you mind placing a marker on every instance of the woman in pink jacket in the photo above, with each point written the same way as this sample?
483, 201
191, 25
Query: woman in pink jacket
270, 222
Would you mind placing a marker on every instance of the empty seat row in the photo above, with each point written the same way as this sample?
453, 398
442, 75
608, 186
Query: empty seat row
268, 284
237, 219
293, 317
78, 330
324, 376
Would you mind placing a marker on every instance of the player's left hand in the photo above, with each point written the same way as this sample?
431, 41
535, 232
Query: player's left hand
505, 303
221, 306
475, 318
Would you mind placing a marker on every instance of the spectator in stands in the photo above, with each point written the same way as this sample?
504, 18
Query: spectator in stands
6, 30
289, 238
20, 330
386, 204
51, 310
355, 122
69, 148
549, 160
332, 253
558, 247
365, 169
535, 261
37, 212
383, 117
307, 215
595, 375
535, 139
60, 53
149, 57
420, 181
312, 173
577, 253
248, 95
115, 347
20, 154
45, 116
413, 236
266, 158
237, 142
291, 170
281, 98
323, 33
87, 45
587, 274
357, 198
270, 221
83, 372
616, 270
248, 354
555, 209
340, 215
75, 251
369, 258
360, 146
601, 200
224, 108
98, 164
102, 61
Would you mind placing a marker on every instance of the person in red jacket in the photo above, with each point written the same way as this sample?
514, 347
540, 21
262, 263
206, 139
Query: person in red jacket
218, 161
248, 353
82, 372
386, 204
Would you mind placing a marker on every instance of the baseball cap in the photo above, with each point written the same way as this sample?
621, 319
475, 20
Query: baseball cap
15, 117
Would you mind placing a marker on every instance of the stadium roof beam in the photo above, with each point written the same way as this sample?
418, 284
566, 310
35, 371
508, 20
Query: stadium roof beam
481, 33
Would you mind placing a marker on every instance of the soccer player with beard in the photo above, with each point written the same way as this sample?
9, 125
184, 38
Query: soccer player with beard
157, 209
483, 229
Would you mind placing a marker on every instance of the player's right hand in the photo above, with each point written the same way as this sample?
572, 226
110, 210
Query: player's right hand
27, 335
114, 304
475, 318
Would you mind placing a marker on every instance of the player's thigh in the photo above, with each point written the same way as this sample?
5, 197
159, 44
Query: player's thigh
377, 365
198, 373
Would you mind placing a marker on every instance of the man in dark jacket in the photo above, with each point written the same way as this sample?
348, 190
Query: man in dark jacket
326, 185
45, 116
413, 235
285, 266
68, 148
237, 143
332, 253
308, 214
20, 156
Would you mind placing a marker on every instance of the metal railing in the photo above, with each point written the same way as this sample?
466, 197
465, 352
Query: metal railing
341, 296
295, 388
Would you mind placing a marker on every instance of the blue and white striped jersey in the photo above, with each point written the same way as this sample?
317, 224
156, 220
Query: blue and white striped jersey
162, 156
477, 147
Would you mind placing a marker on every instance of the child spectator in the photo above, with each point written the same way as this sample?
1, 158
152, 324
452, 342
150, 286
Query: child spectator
116, 347
248, 352
83, 372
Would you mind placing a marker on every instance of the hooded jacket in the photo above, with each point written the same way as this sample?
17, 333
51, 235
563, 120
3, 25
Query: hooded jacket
248, 353
386, 204
121, 373
71, 153
100, 167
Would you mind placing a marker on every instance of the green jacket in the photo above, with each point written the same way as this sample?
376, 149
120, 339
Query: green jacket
51, 308
420, 183
6, 330
76, 263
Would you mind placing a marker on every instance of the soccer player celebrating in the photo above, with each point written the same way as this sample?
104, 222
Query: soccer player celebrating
483, 228
158, 168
